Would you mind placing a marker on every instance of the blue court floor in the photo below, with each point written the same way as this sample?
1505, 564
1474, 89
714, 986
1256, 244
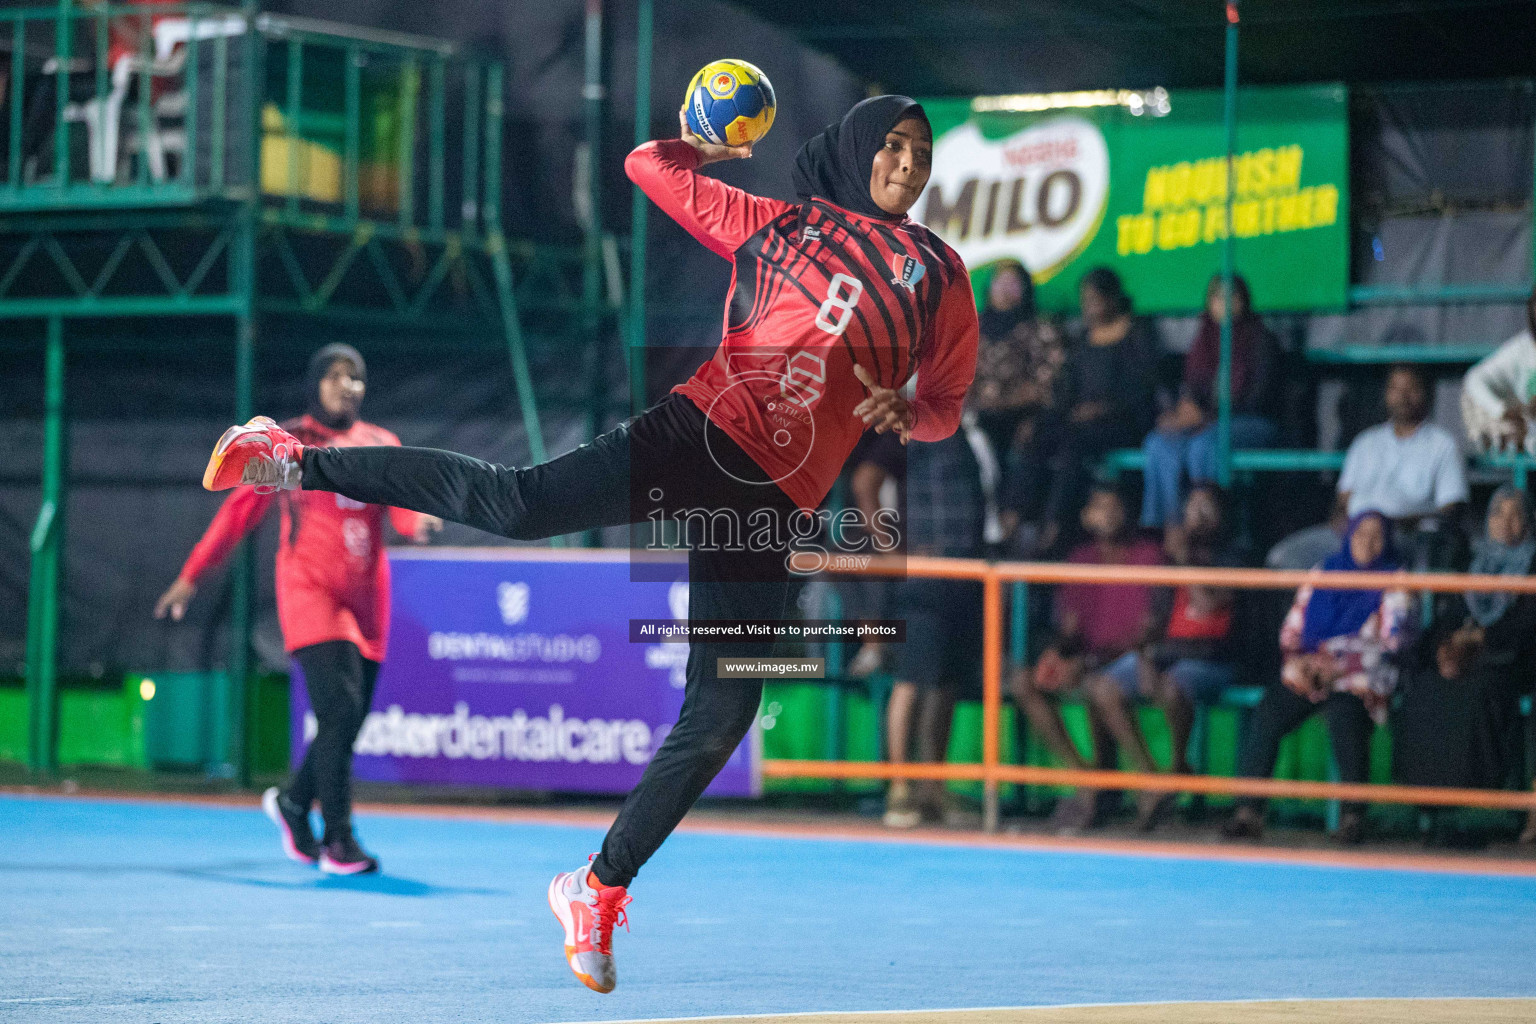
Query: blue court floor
164, 912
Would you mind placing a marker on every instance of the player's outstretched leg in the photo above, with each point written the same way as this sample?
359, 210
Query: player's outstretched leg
586, 488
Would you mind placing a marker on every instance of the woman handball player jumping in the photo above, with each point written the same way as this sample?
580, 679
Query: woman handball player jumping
836, 301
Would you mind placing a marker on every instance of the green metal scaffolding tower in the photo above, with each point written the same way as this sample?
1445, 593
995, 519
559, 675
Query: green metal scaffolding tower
246, 167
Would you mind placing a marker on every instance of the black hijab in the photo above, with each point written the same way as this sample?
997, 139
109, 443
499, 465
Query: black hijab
836, 165
319, 366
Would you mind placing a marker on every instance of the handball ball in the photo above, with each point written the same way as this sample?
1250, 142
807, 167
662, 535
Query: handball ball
730, 103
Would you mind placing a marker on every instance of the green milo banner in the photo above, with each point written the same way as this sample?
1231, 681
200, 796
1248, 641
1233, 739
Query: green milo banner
1069, 189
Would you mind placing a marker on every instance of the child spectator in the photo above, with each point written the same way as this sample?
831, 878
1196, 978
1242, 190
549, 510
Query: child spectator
1189, 655
1095, 625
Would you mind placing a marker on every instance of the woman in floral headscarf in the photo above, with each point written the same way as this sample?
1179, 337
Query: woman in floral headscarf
1338, 647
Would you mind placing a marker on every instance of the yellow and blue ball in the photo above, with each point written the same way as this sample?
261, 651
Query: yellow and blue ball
730, 103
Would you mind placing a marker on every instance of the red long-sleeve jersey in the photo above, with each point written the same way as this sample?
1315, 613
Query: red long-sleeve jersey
814, 290
332, 575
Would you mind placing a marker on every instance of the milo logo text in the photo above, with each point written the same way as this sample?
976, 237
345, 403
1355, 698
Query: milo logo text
1037, 195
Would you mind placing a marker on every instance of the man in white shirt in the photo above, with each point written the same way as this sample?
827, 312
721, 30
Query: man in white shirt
1498, 396
1406, 468
1410, 470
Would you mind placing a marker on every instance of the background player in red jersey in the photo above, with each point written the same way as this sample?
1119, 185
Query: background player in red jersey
332, 603
836, 301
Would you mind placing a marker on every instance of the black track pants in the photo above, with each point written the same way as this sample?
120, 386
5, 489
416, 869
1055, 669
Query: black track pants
340, 684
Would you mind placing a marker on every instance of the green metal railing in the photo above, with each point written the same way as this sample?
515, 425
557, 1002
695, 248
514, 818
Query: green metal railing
353, 124
80, 56
47, 551
639, 207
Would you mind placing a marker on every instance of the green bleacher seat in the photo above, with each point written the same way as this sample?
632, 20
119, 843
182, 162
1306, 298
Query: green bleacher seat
1436, 295
1368, 355
1122, 459
1241, 697
1286, 460
1296, 460
1262, 460
1242, 700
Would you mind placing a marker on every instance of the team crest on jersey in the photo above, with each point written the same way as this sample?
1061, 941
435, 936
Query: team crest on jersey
907, 271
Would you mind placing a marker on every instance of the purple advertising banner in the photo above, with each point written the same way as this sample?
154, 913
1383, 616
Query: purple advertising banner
513, 669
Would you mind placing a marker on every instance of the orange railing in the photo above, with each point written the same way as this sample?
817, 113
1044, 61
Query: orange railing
991, 773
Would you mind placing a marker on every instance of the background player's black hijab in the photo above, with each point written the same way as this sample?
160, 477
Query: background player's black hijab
836, 165
319, 365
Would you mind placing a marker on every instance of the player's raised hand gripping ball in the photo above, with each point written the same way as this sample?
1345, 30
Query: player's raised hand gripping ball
730, 103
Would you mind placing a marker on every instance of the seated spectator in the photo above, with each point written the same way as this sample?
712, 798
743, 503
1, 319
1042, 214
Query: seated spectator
1106, 400
1459, 720
1095, 625
940, 661
1017, 367
1338, 647
1185, 439
1498, 395
1411, 471
1189, 655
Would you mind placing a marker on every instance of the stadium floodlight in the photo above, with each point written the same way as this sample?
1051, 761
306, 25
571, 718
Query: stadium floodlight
1138, 102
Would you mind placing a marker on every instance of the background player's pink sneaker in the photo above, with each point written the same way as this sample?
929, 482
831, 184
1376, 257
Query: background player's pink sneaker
342, 855
260, 453
293, 822
588, 911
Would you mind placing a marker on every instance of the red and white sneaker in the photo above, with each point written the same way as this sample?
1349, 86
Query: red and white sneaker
588, 911
260, 453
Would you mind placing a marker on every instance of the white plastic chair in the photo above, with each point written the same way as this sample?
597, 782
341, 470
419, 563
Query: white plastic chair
103, 116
